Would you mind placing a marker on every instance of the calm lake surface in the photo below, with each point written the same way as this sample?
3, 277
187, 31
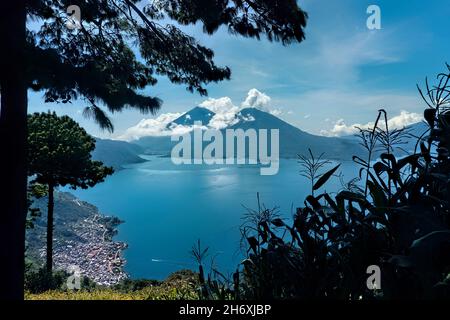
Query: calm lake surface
167, 208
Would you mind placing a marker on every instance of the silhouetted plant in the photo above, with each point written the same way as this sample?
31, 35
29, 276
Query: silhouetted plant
311, 166
377, 140
199, 255
353, 185
399, 220
216, 286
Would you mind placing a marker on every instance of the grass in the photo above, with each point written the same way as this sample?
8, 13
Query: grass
110, 294
178, 286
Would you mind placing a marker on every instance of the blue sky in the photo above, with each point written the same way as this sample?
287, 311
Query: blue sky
339, 76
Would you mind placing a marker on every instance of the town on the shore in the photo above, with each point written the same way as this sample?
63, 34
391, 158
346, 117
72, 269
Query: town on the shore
92, 252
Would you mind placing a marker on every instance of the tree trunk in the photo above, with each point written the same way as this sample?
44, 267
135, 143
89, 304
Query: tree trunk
13, 136
51, 205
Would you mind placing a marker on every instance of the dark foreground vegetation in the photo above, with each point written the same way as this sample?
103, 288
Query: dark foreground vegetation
395, 215
181, 285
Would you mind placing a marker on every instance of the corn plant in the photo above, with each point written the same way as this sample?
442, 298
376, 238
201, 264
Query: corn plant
398, 220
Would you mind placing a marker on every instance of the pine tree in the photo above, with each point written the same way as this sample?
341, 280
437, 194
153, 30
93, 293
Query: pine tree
97, 62
59, 153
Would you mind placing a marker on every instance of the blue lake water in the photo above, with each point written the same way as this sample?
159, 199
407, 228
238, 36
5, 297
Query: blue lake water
166, 208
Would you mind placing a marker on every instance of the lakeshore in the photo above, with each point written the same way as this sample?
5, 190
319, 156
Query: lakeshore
96, 256
83, 240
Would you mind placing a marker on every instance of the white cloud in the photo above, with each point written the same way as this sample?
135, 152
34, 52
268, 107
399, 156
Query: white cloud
247, 118
150, 127
223, 120
402, 120
257, 99
356, 106
178, 129
225, 115
225, 112
218, 105
158, 127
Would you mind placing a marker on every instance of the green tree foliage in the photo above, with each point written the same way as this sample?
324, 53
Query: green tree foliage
59, 153
98, 63
35, 191
40, 280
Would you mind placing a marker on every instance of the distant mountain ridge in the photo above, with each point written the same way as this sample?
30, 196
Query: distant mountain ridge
293, 141
116, 154
196, 114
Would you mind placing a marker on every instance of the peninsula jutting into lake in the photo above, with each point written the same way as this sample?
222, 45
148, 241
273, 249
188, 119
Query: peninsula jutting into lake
83, 240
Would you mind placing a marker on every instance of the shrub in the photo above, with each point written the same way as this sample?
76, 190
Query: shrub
38, 281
